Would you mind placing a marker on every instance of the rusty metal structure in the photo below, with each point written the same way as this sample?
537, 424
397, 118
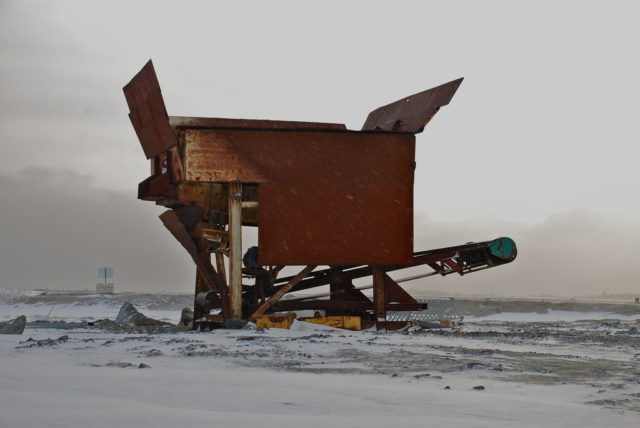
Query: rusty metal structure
319, 194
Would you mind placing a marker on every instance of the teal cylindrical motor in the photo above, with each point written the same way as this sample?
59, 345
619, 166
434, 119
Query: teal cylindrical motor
503, 248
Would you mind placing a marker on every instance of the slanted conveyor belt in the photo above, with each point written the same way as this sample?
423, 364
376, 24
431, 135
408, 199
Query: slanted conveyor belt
460, 259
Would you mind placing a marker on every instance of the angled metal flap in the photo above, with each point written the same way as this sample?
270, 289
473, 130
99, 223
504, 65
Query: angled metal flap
148, 114
411, 113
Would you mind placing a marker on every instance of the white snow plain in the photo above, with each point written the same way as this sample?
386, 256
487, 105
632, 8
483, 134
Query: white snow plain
542, 373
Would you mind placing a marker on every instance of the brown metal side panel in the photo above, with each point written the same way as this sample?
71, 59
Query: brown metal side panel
298, 225
148, 113
218, 156
212, 122
412, 113
337, 198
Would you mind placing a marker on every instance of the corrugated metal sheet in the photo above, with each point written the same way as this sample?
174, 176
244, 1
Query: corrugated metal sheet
411, 114
337, 198
148, 114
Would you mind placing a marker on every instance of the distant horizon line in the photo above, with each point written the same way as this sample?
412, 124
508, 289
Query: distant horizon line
432, 294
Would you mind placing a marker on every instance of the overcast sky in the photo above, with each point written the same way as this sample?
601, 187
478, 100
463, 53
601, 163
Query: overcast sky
540, 142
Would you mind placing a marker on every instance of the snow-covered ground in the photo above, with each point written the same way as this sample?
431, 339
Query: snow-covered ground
72, 306
539, 368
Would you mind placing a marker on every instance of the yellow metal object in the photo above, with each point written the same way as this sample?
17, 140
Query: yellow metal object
275, 320
345, 322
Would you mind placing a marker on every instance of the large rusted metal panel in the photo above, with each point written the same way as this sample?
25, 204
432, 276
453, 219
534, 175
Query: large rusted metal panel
214, 122
411, 114
148, 114
325, 197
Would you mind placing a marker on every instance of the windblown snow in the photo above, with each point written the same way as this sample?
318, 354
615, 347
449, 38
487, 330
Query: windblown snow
512, 363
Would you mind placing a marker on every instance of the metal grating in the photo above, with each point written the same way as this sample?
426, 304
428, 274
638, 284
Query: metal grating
437, 310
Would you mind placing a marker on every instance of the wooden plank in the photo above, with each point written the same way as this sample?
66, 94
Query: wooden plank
273, 299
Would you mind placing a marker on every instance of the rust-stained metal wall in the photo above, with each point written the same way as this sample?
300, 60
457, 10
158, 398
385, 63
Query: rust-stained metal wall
325, 197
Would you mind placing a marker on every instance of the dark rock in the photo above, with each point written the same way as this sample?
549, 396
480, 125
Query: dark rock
119, 364
129, 316
32, 343
474, 365
153, 353
106, 324
143, 366
479, 387
422, 375
244, 338
447, 387
15, 326
234, 323
186, 317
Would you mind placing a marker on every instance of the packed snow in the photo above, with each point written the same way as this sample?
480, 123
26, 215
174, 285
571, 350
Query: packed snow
548, 367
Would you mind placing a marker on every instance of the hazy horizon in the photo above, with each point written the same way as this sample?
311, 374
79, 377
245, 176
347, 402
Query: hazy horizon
539, 144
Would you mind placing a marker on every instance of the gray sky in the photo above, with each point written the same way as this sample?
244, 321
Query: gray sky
540, 143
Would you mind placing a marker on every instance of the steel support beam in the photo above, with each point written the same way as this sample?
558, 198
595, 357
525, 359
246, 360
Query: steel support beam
379, 297
172, 222
266, 305
222, 272
235, 249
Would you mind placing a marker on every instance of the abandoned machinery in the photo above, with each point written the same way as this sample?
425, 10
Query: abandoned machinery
319, 194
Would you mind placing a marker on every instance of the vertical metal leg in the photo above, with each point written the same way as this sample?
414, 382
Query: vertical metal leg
222, 272
379, 297
235, 249
201, 285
